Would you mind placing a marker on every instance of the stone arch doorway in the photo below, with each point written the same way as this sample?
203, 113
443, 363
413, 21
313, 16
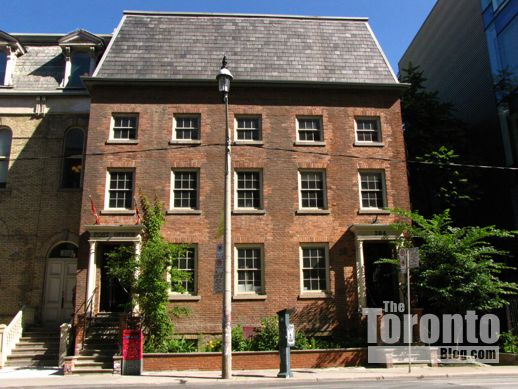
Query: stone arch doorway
60, 284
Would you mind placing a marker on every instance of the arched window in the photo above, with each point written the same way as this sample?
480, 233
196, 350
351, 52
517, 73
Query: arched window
64, 250
73, 158
5, 151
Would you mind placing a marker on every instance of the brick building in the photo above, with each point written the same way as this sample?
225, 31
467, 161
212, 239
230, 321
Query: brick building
318, 156
44, 110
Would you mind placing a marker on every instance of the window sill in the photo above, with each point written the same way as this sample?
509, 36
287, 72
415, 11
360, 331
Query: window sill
6, 190
312, 212
314, 295
369, 144
249, 297
185, 142
373, 212
122, 142
248, 212
128, 212
183, 212
6, 86
248, 143
309, 144
183, 297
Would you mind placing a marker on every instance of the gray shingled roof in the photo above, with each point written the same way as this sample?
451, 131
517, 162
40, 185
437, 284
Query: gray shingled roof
40, 68
298, 49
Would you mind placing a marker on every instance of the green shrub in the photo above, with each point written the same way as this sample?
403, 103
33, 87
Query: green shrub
267, 337
509, 342
181, 345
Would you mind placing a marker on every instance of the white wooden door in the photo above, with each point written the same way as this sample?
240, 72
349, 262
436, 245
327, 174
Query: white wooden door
60, 283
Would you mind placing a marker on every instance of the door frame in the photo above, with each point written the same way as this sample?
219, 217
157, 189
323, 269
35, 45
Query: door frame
63, 285
362, 233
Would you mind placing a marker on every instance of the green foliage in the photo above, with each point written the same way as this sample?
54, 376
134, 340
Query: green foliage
145, 276
453, 188
509, 342
457, 270
267, 337
180, 345
434, 139
239, 342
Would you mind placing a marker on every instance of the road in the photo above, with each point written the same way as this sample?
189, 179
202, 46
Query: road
490, 381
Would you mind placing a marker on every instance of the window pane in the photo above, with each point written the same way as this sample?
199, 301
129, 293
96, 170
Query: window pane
125, 127
80, 67
248, 190
3, 64
314, 268
73, 158
121, 190
372, 190
5, 151
187, 128
309, 130
249, 277
367, 130
185, 189
312, 189
248, 129
186, 263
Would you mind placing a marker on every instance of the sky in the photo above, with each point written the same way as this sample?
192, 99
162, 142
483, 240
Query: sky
394, 22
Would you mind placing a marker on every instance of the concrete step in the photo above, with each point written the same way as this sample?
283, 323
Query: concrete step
92, 371
32, 363
34, 351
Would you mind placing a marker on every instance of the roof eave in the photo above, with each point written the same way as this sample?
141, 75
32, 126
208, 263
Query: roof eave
92, 81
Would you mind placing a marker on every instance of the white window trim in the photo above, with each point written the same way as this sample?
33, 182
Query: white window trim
107, 190
300, 142
383, 186
67, 51
112, 138
171, 195
10, 59
313, 293
175, 140
261, 202
358, 142
178, 295
249, 141
324, 177
236, 293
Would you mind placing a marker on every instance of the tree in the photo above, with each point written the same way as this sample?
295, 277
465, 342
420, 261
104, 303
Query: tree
145, 276
458, 270
434, 139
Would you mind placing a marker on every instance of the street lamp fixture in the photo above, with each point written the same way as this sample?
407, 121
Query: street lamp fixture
224, 77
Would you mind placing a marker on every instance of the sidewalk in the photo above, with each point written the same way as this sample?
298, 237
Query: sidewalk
52, 377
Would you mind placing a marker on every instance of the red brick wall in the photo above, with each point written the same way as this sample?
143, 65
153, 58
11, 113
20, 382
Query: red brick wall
256, 360
280, 230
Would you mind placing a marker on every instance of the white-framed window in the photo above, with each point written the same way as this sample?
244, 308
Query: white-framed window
372, 189
187, 263
119, 189
124, 127
314, 261
186, 127
249, 269
368, 130
312, 189
309, 129
248, 189
184, 189
5, 151
248, 128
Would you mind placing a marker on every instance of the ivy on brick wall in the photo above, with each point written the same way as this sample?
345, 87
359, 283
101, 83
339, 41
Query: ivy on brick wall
145, 277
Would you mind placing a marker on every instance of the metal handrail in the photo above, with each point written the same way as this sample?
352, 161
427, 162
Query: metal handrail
87, 318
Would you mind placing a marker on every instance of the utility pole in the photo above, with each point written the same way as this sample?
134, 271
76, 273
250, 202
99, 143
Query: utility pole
224, 77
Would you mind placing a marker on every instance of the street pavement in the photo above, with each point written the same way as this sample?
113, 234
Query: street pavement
40, 378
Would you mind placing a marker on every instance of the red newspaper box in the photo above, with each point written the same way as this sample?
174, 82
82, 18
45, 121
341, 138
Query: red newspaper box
132, 352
